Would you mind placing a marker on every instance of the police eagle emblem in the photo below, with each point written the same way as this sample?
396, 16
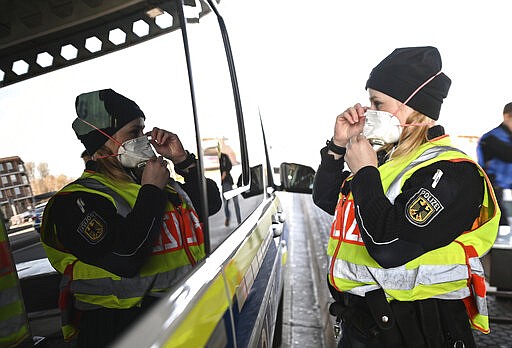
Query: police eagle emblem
92, 228
422, 208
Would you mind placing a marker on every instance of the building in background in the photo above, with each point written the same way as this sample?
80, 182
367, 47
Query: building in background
16, 197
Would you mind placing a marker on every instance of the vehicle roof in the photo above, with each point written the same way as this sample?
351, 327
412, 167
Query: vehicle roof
39, 36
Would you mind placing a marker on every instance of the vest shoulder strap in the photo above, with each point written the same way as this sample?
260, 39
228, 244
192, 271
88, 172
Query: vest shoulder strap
122, 206
394, 188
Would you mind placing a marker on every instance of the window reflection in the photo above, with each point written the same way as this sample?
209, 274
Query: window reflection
219, 130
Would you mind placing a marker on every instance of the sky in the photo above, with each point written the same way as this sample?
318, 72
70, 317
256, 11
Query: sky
309, 62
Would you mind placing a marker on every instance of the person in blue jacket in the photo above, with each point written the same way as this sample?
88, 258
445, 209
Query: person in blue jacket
494, 153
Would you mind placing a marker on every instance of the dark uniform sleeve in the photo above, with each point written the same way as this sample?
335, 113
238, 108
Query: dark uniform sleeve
191, 187
327, 182
426, 215
89, 227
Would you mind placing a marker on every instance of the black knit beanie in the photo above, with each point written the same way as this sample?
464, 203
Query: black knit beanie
406, 69
106, 110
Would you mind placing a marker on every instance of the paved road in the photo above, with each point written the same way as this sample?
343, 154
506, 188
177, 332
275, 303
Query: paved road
306, 323
306, 318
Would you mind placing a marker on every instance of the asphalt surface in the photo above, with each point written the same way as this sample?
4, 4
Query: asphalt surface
306, 319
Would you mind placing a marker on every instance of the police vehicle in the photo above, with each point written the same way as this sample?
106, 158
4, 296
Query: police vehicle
234, 297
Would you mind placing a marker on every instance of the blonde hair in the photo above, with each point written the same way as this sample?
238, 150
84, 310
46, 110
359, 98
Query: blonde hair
110, 166
411, 137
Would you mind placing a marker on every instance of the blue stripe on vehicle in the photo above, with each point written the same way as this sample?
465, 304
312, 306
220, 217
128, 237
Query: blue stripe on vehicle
246, 319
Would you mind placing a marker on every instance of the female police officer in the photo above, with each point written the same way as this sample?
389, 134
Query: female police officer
411, 219
124, 232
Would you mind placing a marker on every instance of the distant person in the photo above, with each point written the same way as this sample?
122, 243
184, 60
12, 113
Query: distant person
116, 232
412, 217
494, 151
227, 185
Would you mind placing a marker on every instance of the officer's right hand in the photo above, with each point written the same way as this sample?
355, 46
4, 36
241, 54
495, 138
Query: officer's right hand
156, 173
349, 124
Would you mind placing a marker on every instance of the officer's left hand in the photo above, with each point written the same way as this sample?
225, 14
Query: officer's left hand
167, 144
360, 153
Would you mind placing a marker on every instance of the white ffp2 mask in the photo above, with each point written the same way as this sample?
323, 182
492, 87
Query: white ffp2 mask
381, 127
134, 152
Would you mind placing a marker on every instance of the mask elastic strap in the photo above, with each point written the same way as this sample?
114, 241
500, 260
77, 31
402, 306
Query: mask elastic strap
102, 132
411, 96
414, 124
105, 134
112, 155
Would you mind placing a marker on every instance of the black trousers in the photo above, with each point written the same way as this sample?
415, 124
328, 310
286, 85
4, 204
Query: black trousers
101, 327
428, 323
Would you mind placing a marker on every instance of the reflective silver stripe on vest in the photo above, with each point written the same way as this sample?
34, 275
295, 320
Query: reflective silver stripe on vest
481, 305
478, 269
11, 325
400, 278
363, 289
455, 295
122, 206
127, 287
169, 279
430, 153
8, 296
476, 266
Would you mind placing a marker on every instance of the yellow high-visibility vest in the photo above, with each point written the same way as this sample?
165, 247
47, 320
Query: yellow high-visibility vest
179, 247
451, 272
14, 328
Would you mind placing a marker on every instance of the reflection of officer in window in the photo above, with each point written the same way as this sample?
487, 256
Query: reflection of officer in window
227, 185
115, 233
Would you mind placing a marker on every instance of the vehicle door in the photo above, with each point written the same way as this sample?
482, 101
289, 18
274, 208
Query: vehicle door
231, 299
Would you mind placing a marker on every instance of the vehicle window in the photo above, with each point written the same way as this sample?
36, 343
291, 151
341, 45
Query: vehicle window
256, 152
153, 74
218, 123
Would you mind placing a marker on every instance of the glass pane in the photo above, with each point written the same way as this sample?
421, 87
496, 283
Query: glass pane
256, 150
218, 123
154, 74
